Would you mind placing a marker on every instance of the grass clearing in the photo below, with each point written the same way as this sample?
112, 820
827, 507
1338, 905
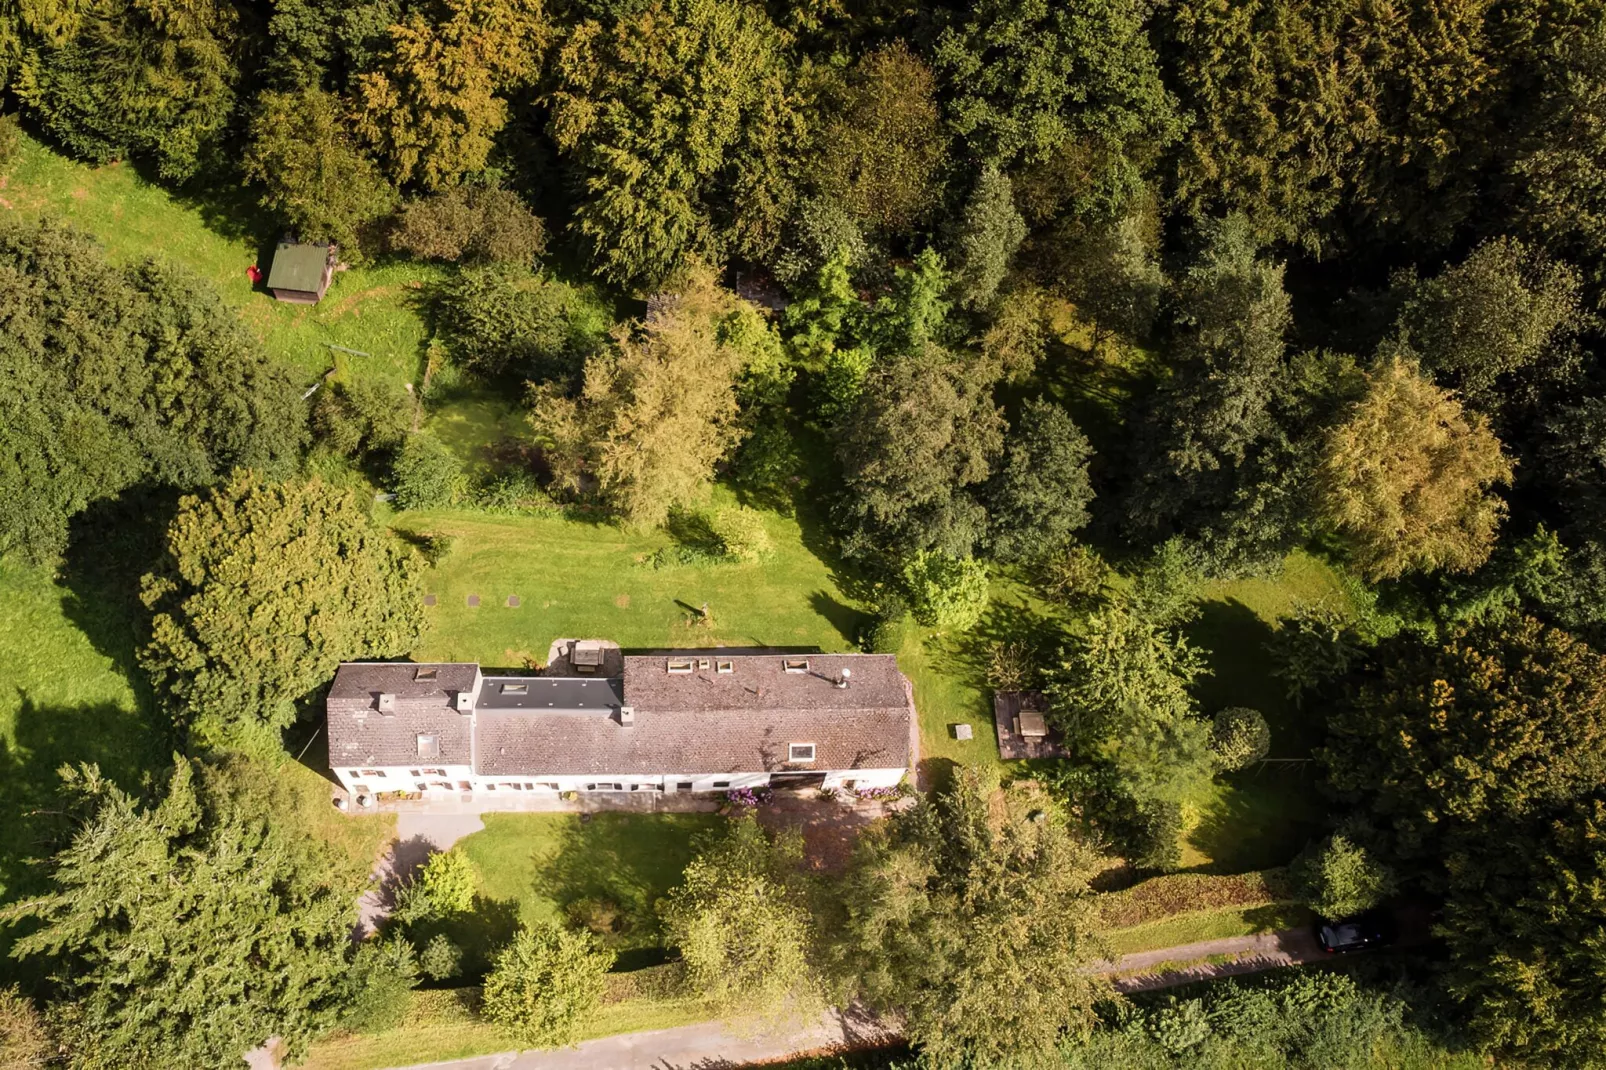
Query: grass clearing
1260, 817
372, 309
590, 579
538, 864
69, 698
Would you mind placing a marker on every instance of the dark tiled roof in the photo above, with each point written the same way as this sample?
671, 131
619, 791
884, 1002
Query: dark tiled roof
707, 721
759, 681
704, 721
713, 741
359, 735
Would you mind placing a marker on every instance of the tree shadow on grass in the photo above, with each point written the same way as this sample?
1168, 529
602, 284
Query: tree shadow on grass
628, 860
33, 821
1007, 624
1260, 818
849, 622
479, 933
1234, 640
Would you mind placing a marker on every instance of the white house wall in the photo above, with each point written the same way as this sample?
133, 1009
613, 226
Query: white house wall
451, 780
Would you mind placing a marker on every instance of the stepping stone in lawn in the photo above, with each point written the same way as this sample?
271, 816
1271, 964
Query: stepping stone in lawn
473, 601
429, 599
513, 601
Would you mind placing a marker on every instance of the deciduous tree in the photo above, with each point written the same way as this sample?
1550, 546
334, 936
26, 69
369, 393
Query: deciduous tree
263, 591
879, 154
741, 922
970, 917
312, 174
117, 375
546, 984
1502, 309
1498, 720
1408, 476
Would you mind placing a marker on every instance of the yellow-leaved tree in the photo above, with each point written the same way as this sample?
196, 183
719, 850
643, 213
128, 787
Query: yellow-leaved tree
1408, 475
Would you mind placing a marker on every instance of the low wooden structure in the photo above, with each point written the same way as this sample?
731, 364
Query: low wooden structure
301, 271
1023, 729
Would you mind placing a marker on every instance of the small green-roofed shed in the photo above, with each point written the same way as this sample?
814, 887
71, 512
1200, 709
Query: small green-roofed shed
301, 271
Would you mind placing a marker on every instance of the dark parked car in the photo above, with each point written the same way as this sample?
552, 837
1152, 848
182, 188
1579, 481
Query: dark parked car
1354, 934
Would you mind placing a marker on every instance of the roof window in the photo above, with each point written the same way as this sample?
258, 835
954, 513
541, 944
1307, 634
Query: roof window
795, 664
800, 752
680, 666
725, 666
515, 689
424, 674
429, 746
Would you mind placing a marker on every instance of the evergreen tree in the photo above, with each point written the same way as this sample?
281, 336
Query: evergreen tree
189, 930
1040, 497
989, 233
682, 129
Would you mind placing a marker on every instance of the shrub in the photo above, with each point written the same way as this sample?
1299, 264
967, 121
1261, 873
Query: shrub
741, 533
1074, 576
946, 592
476, 225
384, 972
600, 917
434, 545
25, 1042
426, 474
545, 984
1239, 737
1338, 878
513, 493
448, 879
886, 634
1009, 666
441, 960
354, 419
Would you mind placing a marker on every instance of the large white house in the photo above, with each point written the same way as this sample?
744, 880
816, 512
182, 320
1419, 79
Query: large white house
693, 721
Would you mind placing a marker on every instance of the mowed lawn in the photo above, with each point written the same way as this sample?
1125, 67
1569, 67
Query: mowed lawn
545, 863
1263, 816
371, 309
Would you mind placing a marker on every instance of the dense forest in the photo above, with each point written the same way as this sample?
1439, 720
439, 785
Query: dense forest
1108, 300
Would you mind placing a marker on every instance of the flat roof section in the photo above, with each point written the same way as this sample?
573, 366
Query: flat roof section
550, 694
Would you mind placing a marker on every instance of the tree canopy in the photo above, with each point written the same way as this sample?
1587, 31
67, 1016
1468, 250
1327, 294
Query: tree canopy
969, 916
263, 590
186, 930
119, 375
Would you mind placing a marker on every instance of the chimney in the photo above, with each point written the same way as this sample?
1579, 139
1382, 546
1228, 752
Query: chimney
627, 716
387, 702
465, 702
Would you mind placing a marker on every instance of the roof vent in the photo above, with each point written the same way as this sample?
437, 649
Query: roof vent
680, 666
465, 702
627, 715
795, 664
387, 702
842, 680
